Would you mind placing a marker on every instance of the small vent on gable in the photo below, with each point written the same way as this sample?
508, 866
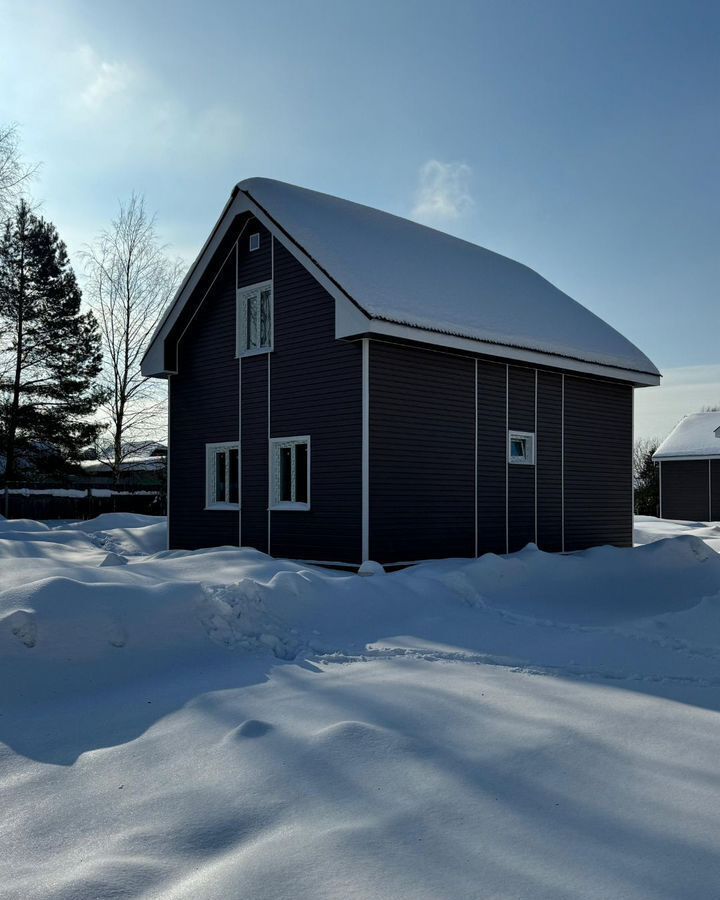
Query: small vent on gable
255, 241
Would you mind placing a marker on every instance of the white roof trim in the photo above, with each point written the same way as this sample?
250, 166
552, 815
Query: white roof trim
504, 352
350, 319
687, 458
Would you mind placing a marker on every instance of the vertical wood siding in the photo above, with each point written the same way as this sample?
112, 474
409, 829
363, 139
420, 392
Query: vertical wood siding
521, 485
491, 457
422, 447
549, 461
598, 463
316, 389
685, 489
204, 410
715, 490
254, 266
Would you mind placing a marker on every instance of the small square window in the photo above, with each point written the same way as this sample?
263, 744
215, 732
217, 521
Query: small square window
290, 481
255, 319
254, 241
521, 448
222, 476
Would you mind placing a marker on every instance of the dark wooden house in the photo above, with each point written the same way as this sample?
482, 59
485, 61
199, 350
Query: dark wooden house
349, 385
688, 462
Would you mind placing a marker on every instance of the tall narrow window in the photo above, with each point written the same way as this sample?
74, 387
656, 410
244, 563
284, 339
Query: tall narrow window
254, 319
222, 476
290, 476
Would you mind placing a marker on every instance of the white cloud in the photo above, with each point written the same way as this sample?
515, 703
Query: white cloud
683, 390
105, 80
443, 192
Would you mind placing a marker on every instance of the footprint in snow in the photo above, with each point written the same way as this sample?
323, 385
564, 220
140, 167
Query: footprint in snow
23, 626
250, 728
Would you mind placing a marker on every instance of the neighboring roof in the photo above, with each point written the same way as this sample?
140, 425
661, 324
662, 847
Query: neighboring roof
129, 464
397, 271
695, 436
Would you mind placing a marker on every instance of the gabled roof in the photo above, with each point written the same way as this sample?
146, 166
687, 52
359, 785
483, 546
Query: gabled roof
412, 281
695, 436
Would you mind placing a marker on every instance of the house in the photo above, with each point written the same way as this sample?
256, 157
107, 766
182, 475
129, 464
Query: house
142, 465
688, 462
347, 385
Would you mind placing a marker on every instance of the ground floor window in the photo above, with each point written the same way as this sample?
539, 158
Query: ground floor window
290, 473
222, 476
521, 448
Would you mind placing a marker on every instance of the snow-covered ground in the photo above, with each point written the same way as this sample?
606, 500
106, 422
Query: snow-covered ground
219, 724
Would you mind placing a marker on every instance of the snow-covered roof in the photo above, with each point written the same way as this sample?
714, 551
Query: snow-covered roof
129, 464
695, 436
403, 272
408, 280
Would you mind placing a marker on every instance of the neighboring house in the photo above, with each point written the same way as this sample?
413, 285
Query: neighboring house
688, 462
348, 385
144, 466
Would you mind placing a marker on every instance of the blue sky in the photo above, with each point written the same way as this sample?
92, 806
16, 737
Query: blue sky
580, 138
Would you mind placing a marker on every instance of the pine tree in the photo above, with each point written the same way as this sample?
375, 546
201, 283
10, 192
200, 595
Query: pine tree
49, 350
647, 483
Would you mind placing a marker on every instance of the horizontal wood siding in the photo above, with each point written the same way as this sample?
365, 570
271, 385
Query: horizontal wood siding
715, 489
316, 389
204, 409
685, 489
422, 466
598, 468
491, 456
521, 485
254, 266
549, 461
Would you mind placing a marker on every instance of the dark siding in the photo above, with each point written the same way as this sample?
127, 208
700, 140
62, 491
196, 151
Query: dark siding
598, 470
521, 485
685, 489
549, 461
422, 470
316, 389
206, 283
253, 267
492, 456
204, 409
715, 511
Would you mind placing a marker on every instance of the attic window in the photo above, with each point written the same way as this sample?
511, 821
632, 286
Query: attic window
521, 448
254, 319
255, 241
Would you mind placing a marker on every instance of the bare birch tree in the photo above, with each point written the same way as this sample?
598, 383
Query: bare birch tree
14, 173
129, 281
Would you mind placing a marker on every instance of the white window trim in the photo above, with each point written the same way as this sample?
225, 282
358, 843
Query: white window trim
275, 445
241, 294
527, 436
254, 238
210, 451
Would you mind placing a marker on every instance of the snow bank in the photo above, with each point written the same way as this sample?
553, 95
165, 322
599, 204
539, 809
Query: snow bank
217, 723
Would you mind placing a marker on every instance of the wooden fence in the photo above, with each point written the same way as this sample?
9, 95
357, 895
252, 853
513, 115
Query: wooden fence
46, 503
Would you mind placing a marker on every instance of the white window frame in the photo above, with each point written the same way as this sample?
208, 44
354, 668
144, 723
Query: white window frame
277, 444
254, 242
529, 438
211, 451
242, 296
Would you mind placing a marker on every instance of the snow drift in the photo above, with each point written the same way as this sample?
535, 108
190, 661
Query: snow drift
217, 723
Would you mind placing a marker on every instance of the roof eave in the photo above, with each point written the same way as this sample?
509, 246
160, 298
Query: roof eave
529, 356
